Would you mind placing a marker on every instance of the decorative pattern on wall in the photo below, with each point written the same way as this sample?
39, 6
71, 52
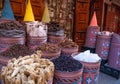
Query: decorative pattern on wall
62, 11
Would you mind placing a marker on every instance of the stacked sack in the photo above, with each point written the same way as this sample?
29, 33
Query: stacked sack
11, 32
68, 47
55, 33
36, 34
49, 50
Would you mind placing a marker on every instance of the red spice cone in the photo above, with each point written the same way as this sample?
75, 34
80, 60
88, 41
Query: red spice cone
94, 20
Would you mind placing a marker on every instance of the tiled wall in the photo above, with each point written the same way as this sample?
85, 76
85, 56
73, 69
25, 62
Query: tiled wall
62, 11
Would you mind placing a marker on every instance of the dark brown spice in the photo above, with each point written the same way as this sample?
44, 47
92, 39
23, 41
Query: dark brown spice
16, 51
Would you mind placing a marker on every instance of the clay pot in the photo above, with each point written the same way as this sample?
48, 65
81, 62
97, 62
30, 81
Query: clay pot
74, 77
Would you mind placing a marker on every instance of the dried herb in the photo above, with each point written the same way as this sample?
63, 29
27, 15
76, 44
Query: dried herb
16, 51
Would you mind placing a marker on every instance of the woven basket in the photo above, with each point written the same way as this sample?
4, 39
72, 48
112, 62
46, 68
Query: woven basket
74, 77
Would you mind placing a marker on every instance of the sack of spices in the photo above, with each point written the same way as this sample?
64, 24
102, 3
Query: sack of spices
55, 33
91, 63
67, 70
68, 47
11, 32
30, 69
14, 52
36, 34
49, 50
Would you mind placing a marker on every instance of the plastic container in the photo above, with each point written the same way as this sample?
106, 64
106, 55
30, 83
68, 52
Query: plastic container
103, 46
74, 77
114, 56
91, 34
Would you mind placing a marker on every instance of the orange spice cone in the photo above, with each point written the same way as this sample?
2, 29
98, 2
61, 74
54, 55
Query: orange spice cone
94, 20
29, 16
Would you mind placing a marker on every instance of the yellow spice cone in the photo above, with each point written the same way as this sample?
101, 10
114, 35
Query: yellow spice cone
46, 17
29, 13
